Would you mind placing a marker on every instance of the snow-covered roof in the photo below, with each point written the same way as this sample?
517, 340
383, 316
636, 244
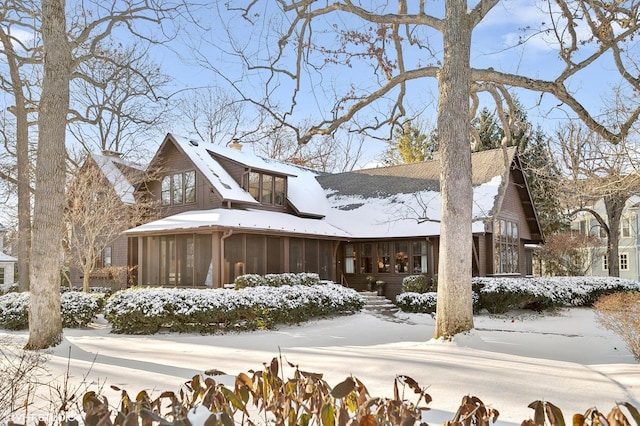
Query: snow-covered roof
386, 202
406, 214
348, 217
6, 258
113, 169
249, 219
303, 191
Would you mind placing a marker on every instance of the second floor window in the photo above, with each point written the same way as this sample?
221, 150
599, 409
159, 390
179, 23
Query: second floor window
178, 188
266, 188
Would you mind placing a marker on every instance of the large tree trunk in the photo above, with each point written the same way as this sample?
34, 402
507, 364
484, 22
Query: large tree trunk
45, 323
454, 313
614, 205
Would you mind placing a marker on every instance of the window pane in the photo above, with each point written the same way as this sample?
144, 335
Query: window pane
402, 257
384, 258
254, 185
279, 191
366, 259
267, 189
177, 189
106, 256
1, 276
165, 194
349, 259
190, 187
419, 252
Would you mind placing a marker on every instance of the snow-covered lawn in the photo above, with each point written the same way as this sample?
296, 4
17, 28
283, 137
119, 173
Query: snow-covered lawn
508, 361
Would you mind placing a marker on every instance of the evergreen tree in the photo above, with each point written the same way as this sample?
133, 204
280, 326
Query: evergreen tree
410, 145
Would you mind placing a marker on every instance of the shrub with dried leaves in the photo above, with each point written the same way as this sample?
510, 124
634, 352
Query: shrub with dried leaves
620, 313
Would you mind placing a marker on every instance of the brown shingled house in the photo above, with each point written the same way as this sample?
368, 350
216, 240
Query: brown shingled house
226, 212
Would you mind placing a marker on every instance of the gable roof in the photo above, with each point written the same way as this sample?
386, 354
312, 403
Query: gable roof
304, 193
120, 174
397, 201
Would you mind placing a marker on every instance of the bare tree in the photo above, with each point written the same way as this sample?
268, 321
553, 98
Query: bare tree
596, 171
101, 204
120, 104
22, 56
569, 253
67, 45
308, 50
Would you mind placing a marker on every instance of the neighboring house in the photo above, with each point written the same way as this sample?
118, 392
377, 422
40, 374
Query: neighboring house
629, 244
119, 176
227, 212
7, 265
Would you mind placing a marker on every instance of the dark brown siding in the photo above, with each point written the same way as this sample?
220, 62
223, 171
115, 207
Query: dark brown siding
174, 161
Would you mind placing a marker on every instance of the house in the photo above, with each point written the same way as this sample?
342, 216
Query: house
114, 183
7, 265
227, 212
628, 245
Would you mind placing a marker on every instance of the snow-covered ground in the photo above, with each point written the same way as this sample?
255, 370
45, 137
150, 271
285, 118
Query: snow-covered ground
508, 361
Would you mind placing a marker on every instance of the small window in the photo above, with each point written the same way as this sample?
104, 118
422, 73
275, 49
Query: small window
605, 262
254, 185
402, 257
279, 191
267, 189
384, 259
1, 276
626, 228
624, 262
165, 194
349, 259
190, 187
419, 253
366, 258
178, 189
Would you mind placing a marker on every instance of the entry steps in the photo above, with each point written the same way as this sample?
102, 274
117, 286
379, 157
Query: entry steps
377, 304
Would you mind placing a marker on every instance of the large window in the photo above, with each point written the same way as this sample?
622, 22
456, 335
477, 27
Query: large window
265, 188
384, 257
506, 247
178, 188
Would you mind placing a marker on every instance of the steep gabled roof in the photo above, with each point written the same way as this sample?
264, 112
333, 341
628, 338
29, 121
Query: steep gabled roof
121, 175
303, 192
399, 201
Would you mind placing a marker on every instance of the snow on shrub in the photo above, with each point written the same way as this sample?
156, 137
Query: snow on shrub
276, 280
417, 302
415, 284
14, 311
501, 294
146, 310
77, 309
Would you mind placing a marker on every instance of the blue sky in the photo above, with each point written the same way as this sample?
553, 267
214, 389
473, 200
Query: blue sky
494, 45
